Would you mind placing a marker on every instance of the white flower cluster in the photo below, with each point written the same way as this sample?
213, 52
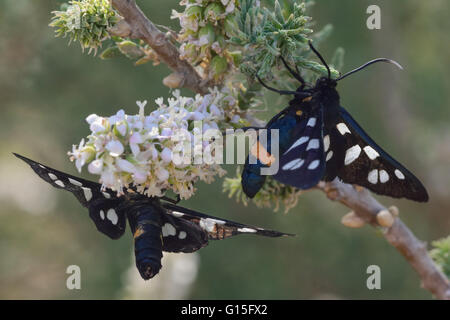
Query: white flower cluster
138, 150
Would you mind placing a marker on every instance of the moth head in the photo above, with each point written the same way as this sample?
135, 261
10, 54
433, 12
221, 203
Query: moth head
325, 83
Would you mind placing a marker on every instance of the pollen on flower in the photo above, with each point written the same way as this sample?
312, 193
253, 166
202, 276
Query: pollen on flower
140, 150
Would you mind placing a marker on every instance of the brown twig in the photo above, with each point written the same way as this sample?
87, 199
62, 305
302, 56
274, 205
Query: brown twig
398, 234
140, 27
364, 206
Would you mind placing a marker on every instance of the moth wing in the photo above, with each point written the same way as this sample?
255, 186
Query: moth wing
102, 205
186, 230
355, 158
302, 163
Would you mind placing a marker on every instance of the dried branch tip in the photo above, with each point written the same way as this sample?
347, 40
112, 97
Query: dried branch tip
120, 29
352, 220
173, 80
394, 210
385, 218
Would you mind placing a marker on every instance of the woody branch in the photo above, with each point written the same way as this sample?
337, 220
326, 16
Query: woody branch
366, 209
136, 25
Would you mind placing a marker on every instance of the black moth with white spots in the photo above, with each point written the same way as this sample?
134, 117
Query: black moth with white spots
319, 140
157, 224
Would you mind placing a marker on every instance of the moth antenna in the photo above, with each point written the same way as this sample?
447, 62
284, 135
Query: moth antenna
395, 63
321, 58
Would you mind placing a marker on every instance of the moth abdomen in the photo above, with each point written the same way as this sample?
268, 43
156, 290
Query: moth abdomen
145, 223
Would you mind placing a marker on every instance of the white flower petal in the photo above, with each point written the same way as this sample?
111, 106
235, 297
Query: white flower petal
96, 166
162, 174
115, 148
166, 155
125, 165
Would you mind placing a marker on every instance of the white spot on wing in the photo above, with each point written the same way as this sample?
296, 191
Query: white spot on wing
329, 155
177, 214
384, 176
294, 164
87, 193
168, 230
247, 230
75, 182
52, 176
313, 144
342, 127
326, 143
371, 152
60, 183
40, 165
313, 165
106, 195
373, 176
102, 214
111, 215
182, 235
297, 143
311, 122
352, 154
399, 174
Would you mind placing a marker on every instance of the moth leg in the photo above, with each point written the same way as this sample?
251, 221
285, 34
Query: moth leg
174, 201
295, 74
282, 92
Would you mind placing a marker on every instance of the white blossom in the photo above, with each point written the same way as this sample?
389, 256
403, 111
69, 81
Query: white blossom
138, 150
96, 166
115, 148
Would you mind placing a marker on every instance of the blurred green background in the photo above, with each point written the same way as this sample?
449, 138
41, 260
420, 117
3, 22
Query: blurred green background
47, 88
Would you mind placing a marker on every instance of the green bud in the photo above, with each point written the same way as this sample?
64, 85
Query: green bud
213, 11
111, 52
219, 65
207, 35
90, 150
230, 25
194, 11
120, 129
130, 49
236, 56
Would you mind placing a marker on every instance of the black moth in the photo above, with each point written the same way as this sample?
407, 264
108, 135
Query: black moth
319, 140
157, 224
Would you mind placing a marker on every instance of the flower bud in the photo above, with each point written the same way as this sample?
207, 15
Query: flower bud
115, 148
120, 129
97, 125
236, 56
219, 65
88, 153
194, 11
166, 155
230, 25
96, 166
215, 110
214, 11
125, 165
206, 35
140, 176
162, 174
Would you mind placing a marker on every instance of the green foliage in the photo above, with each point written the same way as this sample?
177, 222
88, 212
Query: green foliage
85, 21
272, 194
265, 34
441, 254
